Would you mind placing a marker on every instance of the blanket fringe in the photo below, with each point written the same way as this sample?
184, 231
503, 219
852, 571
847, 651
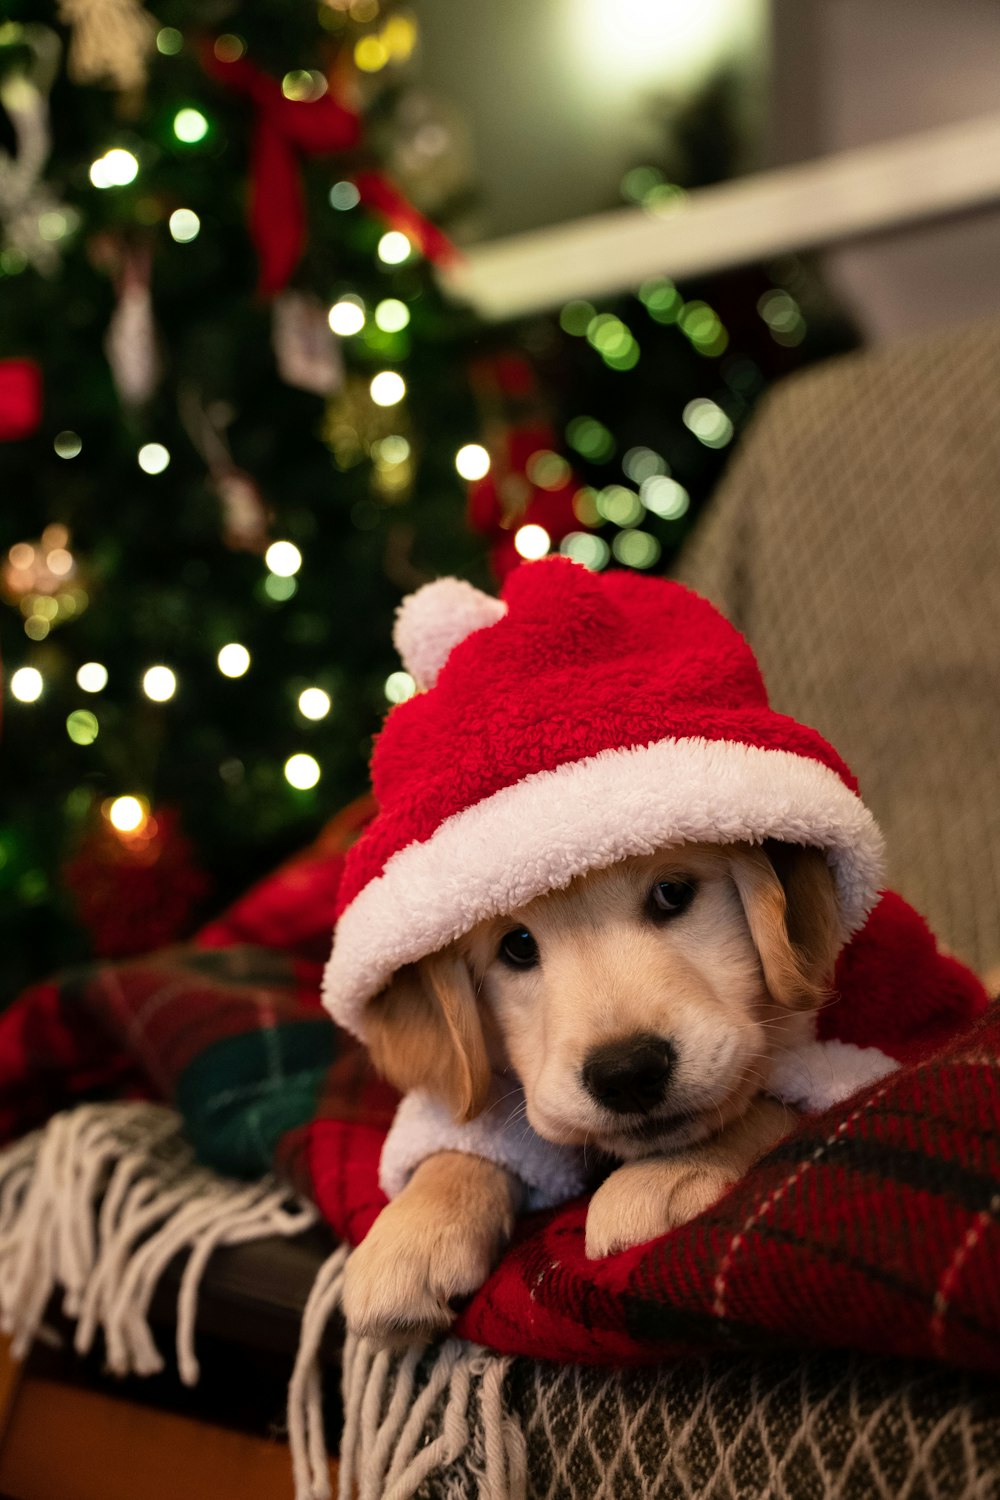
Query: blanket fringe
407, 1417
96, 1206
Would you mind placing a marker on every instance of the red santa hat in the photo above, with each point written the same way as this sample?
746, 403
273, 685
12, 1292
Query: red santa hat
578, 720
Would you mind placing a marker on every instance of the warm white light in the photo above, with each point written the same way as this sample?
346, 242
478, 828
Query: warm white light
233, 660
153, 458
92, 677
26, 684
708, 422
314, 703
532, 542
392, 315
116, 168
159, 683
127, 814
399, 686
387, 388
394, 248
283, 558
633, 43
184, 225
347, 316
301, 772
472, 461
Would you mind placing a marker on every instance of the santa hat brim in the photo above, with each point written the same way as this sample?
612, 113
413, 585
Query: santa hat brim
542, 832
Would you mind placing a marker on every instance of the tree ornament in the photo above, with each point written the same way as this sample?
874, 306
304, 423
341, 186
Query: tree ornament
245, 515
112, 42
305, 349
131, 343
135, 890
32, 220
20, 399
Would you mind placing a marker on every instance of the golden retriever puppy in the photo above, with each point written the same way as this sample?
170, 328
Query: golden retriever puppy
641, 1010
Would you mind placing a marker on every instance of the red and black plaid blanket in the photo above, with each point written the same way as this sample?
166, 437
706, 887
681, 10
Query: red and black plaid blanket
875, 1226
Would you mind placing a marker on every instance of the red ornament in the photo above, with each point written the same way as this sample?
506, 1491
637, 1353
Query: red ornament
20, 399
134, 892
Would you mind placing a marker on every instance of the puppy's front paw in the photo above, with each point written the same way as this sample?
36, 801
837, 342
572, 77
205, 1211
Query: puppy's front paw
644, 1199
427, 1247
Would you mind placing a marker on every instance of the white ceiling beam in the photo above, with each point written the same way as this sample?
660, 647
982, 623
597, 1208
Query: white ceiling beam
870, 190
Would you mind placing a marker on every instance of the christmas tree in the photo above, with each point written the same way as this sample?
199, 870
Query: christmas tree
239, 419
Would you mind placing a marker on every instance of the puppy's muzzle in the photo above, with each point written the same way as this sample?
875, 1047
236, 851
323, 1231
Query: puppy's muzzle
630, 1076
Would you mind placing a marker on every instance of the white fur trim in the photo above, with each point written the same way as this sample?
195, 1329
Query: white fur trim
423, 1126
819, 1074
541, 833
432, 622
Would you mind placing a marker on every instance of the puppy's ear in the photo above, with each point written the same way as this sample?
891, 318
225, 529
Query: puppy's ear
790, 903
424, 1031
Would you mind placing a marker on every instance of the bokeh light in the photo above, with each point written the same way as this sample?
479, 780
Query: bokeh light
547, 470
314, 703
116, 168
636, 549
153, 458
127, 814
399, 686
344, 195
583, 547
664, 497
159, 683
532, 542
302, 772
591, 439
283, 559
642, 463
190, 126
370, 54
67, 444
92, 677
708, 422
169, 41
472, 461
184, 225
387, 388
392, 315
347, 316
233, 660
394, 248
82, 726
26, 684
619, 504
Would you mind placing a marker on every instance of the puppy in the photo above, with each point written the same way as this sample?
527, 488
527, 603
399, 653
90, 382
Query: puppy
641, 1010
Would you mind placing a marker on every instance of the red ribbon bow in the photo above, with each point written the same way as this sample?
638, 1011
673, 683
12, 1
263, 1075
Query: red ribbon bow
284, 131
20, 399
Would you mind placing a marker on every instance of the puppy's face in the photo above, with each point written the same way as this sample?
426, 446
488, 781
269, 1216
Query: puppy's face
640, 1008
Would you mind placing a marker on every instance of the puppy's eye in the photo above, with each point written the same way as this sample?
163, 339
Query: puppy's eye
669, 898
518, 949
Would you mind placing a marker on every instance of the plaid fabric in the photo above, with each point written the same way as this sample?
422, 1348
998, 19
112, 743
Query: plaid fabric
874, 1227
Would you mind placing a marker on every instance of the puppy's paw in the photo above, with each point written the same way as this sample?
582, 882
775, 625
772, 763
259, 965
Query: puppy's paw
644, 1199
426, 1248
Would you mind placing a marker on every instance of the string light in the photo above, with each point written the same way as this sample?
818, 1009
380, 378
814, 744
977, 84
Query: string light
67, 444
283, 559
344, 195
532, 542
472, 461
619, 504
347, 316
304, 85
387, 388
116, 168
169, 41
82, 726
583, 547
26, 684
92, 677
153, 458
391, 315
184, 225
636, 549
190, 126
664, 497
314, 703
576, 317
159, 683
642, 463
394, 248
708, 422
399, 686
233, 660
302, 772
127, 814
279, 589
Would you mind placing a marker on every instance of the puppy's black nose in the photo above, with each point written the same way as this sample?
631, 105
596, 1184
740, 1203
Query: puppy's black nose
630, 1076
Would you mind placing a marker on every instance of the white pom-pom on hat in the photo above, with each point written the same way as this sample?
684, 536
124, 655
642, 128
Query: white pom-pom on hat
432, 622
